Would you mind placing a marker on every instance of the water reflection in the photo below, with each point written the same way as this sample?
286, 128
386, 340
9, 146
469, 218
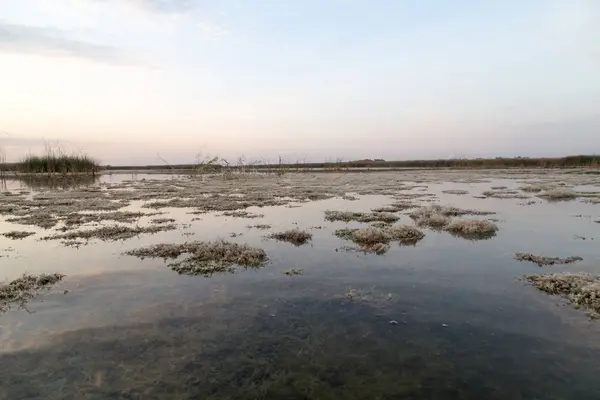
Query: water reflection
45, 182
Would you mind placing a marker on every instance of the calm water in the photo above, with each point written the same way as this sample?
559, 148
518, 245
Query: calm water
467, 327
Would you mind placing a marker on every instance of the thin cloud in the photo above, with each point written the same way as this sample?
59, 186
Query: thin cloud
159, 6
55, 42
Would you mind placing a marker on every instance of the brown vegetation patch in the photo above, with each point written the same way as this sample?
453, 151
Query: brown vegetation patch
262, 227
15, 235
472, 228
455, 191
294, 236
542, 260
205, 258
376, 240
347, 216
580, 289
558, 194
241, 214
111, 233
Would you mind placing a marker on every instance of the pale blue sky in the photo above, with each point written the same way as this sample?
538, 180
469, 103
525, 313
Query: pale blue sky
127, 79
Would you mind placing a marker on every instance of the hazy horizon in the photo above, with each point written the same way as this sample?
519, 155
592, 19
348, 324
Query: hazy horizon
128, 80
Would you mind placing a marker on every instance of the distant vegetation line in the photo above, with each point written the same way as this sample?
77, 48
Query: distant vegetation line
501, 162
56, 162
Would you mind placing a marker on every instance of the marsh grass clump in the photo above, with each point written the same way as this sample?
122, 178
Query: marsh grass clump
77, 218
581, 289
558, 194
347, 216
542, 260
162, 220
111, 233
376, 240
21, 290
42, 221
241, 214
472, 228
455, 191
15, 235
293, 271
205, 258
395, 207
295, 236
262, 227
56, 163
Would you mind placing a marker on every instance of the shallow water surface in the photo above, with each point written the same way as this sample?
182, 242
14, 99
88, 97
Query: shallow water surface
447, 318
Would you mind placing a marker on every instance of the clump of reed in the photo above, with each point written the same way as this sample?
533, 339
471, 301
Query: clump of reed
56, 161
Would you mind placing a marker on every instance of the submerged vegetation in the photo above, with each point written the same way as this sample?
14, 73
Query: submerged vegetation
295, 236
205, 258
582, 290
542, 260
20, 291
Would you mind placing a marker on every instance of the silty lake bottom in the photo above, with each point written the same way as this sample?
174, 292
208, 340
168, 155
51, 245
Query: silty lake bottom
444, 317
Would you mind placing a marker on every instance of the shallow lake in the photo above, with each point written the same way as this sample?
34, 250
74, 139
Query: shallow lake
445, 318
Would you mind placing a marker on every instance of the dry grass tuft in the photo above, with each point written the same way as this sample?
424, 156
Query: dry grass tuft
541, 260
262, 227
14, 235
20, 291
205, 258
347, 216
111, 233
455, 191
376, 240
472, 228
294, 236
558, 194
582, 290
241, 214
293, 271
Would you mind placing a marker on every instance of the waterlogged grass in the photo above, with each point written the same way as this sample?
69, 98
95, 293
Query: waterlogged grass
376, 240
347, 216
558, 194
17, 235
205, 258
472, 228
295, 236
442, 218
110, 233
20, 291
543, 260
580, 289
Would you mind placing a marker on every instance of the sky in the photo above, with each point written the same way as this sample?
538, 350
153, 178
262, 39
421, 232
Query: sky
141, 81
